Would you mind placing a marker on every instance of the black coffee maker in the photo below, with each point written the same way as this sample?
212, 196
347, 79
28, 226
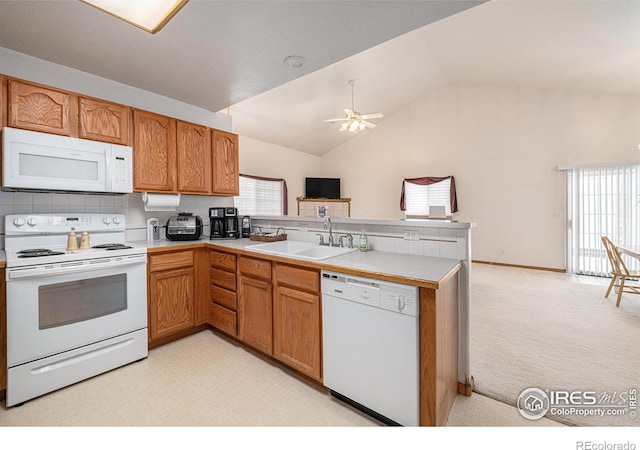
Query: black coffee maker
224, 223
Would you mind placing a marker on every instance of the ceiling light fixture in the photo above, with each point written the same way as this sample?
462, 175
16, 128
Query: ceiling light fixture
355, 121
149, 15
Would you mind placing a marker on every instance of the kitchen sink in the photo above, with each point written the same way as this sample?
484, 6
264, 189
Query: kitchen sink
301, 250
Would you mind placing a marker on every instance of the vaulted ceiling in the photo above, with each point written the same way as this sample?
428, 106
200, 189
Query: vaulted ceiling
219, 54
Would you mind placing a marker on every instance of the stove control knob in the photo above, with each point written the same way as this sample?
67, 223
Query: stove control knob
32, 221
18, 222
116, 220
107, 220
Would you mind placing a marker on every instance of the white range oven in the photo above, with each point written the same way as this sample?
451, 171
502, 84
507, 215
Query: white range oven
71, 313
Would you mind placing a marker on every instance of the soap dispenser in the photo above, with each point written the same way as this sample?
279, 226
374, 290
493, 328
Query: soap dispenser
153, 229
364, 242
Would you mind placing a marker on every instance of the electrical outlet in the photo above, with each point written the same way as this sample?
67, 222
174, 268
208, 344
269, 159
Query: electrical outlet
410, 235
303, 227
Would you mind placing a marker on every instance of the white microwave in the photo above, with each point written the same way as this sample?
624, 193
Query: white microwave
47, 162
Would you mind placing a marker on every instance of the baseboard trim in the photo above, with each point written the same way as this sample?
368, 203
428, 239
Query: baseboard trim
548, 269
466, 388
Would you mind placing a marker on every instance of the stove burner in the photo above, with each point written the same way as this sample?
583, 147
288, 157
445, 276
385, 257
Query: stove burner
112, 246
34, 252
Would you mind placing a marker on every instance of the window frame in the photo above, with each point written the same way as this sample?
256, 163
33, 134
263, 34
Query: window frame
257, 179
451, 206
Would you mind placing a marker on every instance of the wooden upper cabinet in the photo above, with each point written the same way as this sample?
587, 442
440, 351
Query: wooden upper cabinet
154, 152
38, 108
3, 101
104, 121
193, 158
225, 163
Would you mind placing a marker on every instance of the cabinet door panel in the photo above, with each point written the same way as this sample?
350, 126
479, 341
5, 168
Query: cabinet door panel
104, 121
296, 330
172, 301
38, 108
194, 158
225, 163
154, 152
255, 314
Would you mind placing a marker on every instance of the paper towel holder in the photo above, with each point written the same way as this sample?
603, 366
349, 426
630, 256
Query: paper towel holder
160, 202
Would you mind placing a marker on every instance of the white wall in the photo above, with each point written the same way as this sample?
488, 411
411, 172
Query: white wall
269, 160
29, 68
503, 145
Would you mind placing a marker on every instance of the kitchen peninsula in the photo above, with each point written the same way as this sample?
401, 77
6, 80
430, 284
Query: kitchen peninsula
272, 303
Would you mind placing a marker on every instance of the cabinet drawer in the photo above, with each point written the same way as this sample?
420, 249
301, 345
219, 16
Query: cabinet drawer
223, 279
255, 267
305, 279
170, 260
221, 260
223, 319
224, 297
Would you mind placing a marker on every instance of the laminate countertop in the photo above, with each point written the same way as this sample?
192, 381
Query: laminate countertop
423, 271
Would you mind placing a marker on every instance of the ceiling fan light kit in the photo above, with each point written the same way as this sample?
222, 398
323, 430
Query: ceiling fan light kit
355, 122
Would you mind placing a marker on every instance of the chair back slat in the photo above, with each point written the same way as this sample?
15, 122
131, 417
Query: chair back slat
618, 267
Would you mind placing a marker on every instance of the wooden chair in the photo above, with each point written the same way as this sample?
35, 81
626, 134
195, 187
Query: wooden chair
619, 271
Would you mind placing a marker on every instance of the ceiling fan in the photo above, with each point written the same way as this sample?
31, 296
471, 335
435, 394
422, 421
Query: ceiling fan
355, 121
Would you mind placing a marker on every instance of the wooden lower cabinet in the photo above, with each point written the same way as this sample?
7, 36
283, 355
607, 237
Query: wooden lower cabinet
255, 313
223, 299
172, 300
296, 330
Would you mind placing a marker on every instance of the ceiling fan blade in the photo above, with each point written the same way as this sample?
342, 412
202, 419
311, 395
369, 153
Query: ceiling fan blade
372, 116
368, 124
336, 120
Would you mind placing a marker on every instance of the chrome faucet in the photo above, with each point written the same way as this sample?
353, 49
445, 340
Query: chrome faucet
328, 226
348, 237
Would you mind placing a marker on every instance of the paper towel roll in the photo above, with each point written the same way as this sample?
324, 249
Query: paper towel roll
160, 202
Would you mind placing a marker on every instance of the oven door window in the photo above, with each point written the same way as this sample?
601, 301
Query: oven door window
76, 301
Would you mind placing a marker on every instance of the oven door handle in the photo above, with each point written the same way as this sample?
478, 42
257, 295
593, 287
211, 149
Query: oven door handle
88, 265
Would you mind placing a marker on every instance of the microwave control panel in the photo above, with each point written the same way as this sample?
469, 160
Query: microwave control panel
121, 169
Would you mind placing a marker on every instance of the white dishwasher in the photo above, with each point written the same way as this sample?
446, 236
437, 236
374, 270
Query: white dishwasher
370, 338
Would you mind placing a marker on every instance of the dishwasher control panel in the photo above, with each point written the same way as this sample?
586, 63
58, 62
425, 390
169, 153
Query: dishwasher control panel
386, 295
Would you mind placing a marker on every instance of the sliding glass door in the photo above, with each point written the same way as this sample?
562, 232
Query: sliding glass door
602, 201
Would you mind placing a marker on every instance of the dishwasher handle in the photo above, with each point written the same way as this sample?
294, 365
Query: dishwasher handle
363, 284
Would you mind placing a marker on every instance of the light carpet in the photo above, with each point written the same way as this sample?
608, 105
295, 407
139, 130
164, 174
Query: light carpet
553, 331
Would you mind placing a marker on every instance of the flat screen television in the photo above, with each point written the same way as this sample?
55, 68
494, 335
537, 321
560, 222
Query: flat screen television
322, 188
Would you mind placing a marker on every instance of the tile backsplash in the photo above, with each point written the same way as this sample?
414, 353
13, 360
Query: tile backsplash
130, 205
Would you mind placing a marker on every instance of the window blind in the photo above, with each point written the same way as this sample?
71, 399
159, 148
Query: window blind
419, 198
260, 197
602, 201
